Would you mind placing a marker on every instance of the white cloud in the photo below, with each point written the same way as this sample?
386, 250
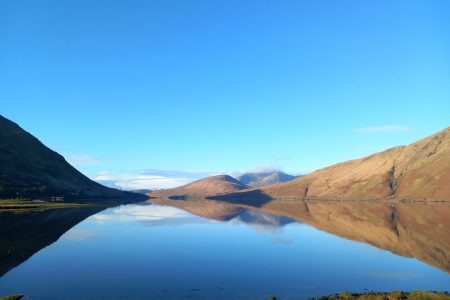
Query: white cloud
384, 128
149, 179
83, 160
265, 169
257, 169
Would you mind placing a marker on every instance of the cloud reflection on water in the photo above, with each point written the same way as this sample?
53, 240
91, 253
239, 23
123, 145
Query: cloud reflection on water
149, 215
76, 234
155, 215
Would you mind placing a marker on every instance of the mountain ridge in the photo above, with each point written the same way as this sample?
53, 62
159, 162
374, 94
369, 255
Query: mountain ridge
218, 184
418, 171
258, 179
29, 169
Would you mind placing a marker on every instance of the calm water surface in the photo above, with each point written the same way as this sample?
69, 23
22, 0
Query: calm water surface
152, 251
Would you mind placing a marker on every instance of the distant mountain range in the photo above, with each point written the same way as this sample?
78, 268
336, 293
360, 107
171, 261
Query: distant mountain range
218, 184
257, 179
419, 171
222, 184
28, 169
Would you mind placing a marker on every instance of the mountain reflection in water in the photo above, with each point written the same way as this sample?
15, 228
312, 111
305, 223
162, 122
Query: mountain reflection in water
23, 234
207, 249
414, 230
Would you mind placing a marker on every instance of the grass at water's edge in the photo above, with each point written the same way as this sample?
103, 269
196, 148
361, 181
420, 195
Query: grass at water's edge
396, 295
21, 205
12, 297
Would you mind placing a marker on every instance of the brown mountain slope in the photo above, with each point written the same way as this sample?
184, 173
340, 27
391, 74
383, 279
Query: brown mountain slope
208, 186
419, 171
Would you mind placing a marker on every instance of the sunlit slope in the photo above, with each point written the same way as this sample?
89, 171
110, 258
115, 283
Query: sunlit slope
208, 186
419, 171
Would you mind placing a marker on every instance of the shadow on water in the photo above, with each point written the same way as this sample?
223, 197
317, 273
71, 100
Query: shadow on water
256, 198
23, 234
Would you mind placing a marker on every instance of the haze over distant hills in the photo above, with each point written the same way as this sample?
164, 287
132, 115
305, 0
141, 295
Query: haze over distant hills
212, 185
257, 179
419, 171
29, 169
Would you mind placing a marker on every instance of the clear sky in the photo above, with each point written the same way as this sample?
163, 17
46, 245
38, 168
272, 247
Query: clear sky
155, 93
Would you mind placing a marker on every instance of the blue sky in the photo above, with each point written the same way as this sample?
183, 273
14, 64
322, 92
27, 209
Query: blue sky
133, 92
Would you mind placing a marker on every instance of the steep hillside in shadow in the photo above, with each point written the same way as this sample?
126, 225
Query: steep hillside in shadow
29, 169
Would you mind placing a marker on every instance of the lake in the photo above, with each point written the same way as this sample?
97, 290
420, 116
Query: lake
202, 249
